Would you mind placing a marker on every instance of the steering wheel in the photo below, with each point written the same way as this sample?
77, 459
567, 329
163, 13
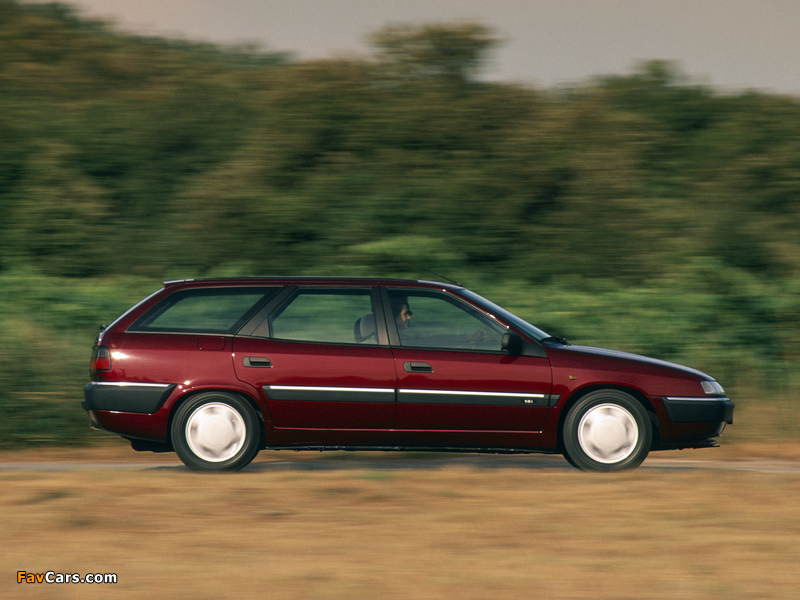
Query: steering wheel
479, 336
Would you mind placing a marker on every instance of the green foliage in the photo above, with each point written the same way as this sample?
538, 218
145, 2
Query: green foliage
641, 211
46, 332
444, 53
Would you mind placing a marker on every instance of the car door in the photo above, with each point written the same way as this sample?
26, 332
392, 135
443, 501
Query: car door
454, 376
321, 360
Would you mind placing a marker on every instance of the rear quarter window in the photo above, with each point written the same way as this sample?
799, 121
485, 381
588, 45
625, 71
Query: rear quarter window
213, 310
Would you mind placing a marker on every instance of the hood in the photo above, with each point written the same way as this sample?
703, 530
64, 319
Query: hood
627, 356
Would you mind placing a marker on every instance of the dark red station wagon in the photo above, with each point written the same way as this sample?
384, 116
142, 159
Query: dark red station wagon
217, 369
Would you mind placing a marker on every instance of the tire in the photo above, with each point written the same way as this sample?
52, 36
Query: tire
215, 431
607, 430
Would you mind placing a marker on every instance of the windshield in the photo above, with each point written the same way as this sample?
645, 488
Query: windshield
498, 311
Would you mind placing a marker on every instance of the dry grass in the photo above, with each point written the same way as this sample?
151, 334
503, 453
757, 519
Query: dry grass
300, 526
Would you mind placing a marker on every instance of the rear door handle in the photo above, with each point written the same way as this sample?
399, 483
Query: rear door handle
261, 362
417, 367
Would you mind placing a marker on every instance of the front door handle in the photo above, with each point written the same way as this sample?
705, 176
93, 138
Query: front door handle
261, 362
417, 367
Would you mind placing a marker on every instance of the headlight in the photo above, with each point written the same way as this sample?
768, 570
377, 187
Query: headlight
712, 388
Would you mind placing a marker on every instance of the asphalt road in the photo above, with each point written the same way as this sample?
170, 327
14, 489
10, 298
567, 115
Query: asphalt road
339, 461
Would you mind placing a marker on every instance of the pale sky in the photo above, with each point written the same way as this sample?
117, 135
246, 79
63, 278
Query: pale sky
729, 44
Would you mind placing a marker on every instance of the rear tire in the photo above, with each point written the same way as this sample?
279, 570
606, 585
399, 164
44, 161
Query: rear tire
607, 430
215, 431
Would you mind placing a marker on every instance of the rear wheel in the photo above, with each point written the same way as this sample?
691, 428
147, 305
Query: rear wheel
607, 430
215, 431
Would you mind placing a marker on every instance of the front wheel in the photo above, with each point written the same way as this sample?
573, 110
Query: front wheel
607, 430
215, 431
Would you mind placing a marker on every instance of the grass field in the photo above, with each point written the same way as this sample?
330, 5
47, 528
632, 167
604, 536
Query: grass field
335, 526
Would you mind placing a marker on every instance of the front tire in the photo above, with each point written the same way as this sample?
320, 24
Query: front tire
607, 430
215, 431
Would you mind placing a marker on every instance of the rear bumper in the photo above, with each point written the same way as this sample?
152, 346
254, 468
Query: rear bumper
699, 410
123, 396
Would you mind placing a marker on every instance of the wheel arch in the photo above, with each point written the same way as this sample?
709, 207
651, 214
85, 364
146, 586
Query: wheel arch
635, 393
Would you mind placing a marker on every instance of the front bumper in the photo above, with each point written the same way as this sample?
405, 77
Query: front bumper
699, 410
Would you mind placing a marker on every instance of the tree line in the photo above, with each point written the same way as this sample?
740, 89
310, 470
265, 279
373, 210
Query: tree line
123, 152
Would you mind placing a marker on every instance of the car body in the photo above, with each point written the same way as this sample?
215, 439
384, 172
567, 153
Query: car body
216, 369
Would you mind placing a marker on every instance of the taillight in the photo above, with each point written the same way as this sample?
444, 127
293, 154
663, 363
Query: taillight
101, 359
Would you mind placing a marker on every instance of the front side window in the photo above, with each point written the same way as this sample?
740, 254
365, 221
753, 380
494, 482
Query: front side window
435, 320
327, 316
210, 310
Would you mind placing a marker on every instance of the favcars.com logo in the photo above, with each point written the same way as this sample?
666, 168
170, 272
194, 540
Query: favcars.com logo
53, 577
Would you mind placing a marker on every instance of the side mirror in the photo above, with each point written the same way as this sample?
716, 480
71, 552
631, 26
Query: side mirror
513, 343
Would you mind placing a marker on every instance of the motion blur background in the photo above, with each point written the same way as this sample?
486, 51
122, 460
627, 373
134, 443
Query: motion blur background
647, 211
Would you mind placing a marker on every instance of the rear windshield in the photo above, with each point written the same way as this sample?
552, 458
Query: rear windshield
210, 310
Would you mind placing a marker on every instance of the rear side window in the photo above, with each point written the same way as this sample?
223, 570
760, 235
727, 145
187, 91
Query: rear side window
211, 310
327, 316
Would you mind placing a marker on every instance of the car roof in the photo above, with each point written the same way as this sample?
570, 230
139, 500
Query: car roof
307, 280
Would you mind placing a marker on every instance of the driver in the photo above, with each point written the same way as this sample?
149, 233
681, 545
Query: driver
401, 312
